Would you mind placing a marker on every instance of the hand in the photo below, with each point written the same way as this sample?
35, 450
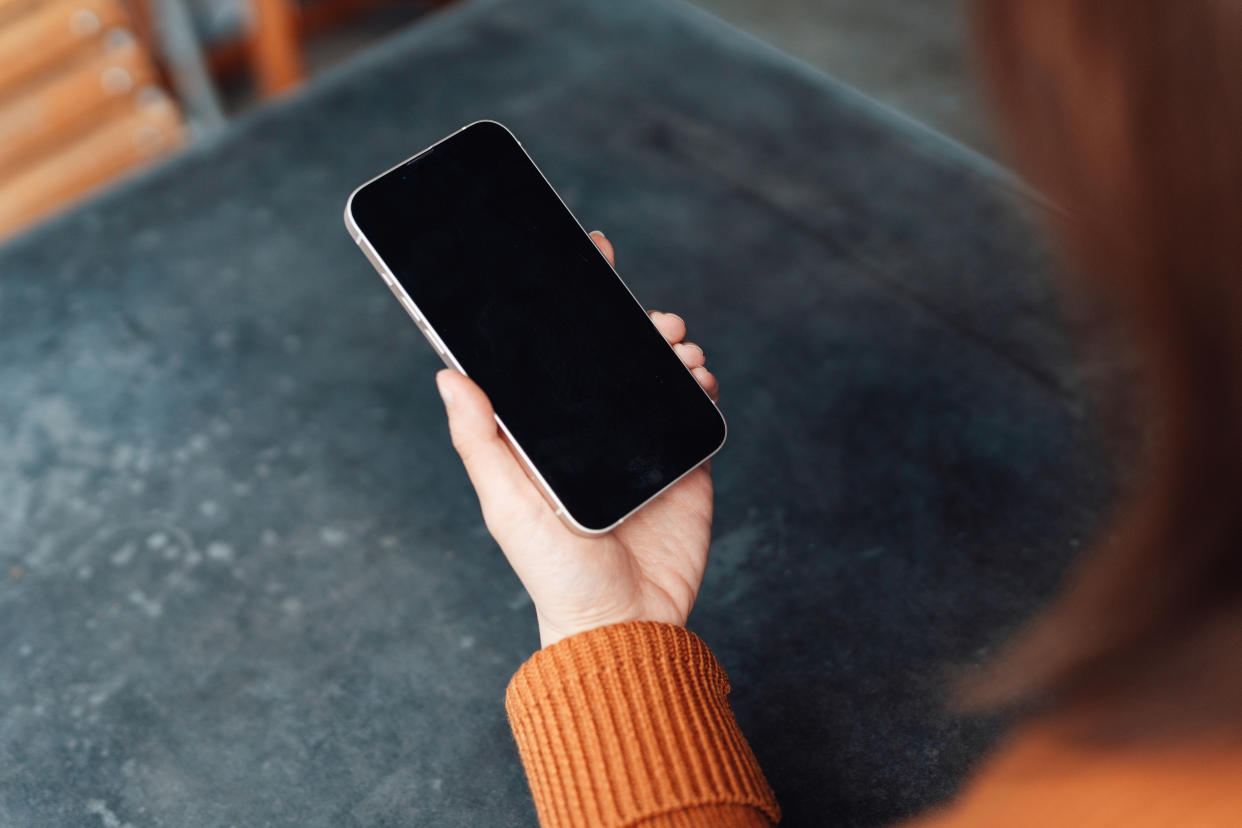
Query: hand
647, 569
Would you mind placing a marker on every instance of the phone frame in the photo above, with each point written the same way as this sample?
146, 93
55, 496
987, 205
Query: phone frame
398, 290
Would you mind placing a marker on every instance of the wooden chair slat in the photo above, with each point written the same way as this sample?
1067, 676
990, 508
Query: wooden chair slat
150, 129
50, 112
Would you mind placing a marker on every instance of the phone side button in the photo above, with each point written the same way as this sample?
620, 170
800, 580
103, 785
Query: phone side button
369, 252
409, 308
431, 338
434, 343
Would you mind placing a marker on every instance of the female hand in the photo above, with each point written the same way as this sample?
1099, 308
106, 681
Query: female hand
647, 569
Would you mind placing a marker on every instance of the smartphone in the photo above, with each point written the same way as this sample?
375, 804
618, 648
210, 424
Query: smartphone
510, 290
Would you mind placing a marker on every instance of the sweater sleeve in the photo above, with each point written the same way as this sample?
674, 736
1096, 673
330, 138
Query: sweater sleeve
629, 725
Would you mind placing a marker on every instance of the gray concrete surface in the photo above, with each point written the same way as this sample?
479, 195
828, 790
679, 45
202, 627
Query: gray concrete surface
909, 54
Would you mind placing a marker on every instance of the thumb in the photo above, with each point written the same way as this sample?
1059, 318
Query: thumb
507, 496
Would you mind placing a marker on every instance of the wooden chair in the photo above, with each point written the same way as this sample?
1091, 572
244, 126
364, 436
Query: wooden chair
79, 105
272, 50
82, 87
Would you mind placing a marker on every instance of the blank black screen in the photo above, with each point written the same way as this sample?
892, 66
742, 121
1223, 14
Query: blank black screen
532, 311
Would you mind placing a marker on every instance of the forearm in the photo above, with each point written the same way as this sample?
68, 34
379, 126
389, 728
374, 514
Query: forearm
629, 725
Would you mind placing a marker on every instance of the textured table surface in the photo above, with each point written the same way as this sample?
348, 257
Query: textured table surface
245, 581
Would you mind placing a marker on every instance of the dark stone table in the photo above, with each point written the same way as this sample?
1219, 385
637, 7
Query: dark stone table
244, 579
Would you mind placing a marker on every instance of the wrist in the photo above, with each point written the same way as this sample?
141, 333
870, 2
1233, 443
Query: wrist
551, 633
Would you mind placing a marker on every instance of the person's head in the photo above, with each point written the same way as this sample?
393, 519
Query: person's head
1127, 116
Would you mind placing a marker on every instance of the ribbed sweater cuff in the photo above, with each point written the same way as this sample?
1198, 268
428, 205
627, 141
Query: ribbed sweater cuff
630, 725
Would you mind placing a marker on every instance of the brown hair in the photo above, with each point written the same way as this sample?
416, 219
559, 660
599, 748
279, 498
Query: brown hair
1127, 114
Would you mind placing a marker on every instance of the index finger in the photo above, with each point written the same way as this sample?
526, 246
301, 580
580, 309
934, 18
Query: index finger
605, 246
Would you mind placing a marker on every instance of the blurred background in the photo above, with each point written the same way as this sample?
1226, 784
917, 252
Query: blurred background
243, 578
94, 90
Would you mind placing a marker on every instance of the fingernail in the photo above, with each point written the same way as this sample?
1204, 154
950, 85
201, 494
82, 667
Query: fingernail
445, 393
596, 233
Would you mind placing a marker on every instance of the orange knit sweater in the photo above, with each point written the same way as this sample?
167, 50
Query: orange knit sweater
629, 725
